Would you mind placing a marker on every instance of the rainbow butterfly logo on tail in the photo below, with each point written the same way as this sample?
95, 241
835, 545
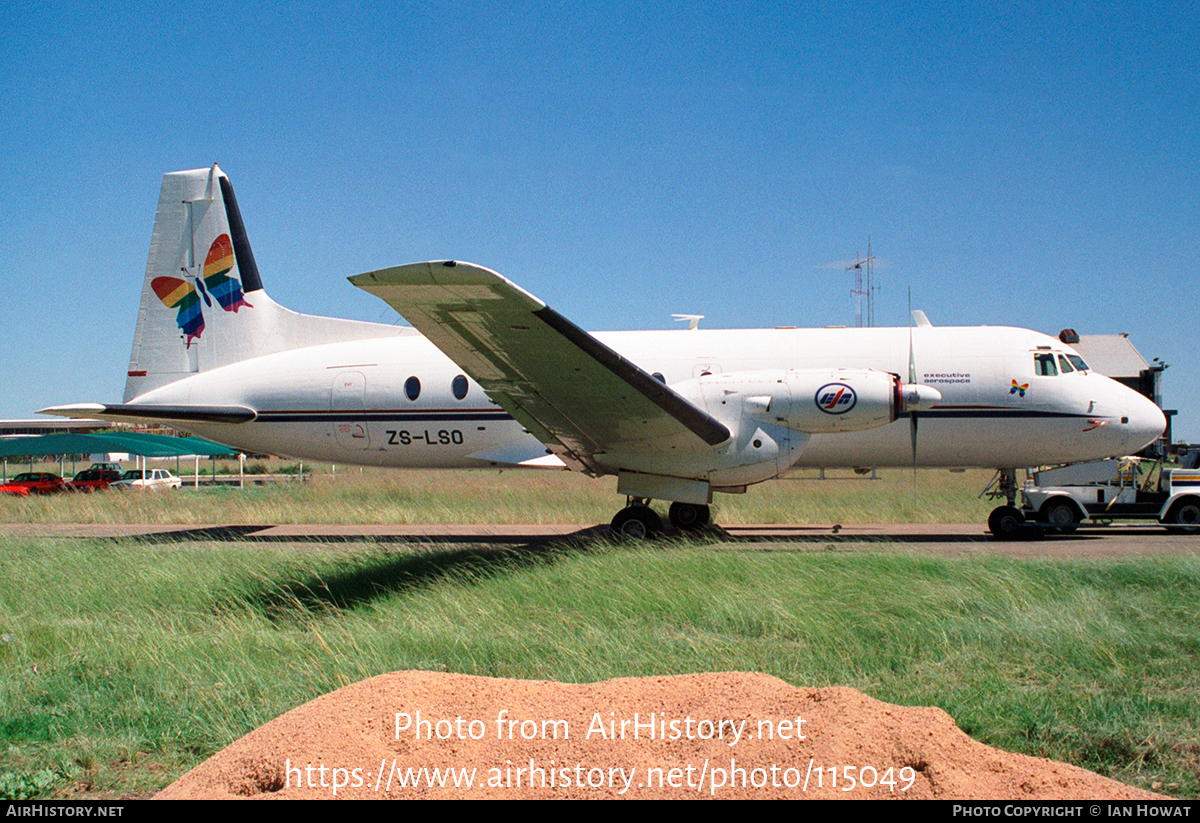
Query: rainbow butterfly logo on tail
177, 293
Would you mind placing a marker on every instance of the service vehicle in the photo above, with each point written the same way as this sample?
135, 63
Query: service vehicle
1063, 498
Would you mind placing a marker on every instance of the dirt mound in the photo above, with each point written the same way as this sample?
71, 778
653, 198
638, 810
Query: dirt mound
423, 734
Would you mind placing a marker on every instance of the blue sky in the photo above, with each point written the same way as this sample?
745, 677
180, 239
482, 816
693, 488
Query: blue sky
1031, 164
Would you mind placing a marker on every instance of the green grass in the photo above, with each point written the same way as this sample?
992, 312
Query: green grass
393, 496
127, 662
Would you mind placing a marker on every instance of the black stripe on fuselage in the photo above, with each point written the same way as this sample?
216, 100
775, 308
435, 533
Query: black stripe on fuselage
383, 416
977, 413
496, 416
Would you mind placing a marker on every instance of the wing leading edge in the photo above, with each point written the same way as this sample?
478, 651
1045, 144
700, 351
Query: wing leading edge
571, 391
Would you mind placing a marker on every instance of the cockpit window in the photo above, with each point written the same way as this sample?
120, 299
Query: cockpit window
1064, 365
1043, 365
1078, 362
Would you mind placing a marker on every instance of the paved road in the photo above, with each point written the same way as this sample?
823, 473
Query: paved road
942, 539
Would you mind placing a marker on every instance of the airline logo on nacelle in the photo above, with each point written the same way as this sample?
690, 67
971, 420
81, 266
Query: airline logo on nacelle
835, 398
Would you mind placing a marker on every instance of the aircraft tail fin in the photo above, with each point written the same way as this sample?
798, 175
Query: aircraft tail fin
203, 305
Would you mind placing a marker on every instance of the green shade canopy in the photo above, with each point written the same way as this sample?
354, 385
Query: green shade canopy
145, 445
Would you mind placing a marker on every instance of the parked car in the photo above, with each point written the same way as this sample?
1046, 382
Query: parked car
28, 483
144, 479
113, 467
93, 479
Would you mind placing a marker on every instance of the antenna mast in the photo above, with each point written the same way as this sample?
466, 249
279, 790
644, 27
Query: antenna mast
858, 266
870, 261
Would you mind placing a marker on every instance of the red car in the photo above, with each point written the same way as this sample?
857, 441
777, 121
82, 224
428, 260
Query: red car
90, 480
28, 483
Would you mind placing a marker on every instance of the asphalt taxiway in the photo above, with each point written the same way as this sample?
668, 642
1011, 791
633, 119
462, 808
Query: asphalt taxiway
940, 539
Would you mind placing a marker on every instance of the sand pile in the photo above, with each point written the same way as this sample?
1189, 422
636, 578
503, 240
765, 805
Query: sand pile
429, 735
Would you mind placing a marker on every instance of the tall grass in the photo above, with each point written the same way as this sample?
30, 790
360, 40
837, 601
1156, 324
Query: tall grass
396, 496
128, 662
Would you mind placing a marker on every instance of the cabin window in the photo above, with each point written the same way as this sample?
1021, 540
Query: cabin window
1064, 365
1043, 365
412, 388
459, 387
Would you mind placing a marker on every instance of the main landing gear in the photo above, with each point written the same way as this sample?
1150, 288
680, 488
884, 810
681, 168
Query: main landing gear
688, 516
637, 521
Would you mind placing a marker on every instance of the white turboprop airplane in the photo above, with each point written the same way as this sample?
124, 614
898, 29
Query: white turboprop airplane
493, 377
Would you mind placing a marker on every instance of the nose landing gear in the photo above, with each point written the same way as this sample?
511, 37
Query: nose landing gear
1008, 522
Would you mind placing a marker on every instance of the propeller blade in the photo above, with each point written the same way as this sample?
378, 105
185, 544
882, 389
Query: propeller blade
912, 379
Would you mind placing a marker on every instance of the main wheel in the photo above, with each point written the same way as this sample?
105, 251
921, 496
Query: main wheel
1059, 516
688, 516
1185, 515
1005, 522
636, 523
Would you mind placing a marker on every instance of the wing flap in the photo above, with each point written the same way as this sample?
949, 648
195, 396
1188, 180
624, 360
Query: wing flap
570, 390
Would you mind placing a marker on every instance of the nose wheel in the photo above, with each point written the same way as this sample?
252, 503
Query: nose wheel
1006, 522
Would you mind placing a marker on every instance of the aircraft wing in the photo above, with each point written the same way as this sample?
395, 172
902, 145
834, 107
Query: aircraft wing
571, 391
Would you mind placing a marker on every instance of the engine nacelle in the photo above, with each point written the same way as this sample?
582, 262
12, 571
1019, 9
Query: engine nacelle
842, 400
815, 401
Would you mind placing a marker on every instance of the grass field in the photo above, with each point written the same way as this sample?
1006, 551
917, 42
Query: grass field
389, 496
127, 662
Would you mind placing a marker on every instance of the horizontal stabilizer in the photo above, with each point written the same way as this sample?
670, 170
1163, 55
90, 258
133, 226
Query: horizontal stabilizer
143, 411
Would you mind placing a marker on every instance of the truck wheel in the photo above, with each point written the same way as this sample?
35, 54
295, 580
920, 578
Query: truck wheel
1185, 515
1005, 522
1060, 516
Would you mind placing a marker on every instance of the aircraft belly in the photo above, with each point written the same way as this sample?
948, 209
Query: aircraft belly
963, 442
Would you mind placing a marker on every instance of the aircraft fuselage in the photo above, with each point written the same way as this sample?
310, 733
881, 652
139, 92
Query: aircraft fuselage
349, 402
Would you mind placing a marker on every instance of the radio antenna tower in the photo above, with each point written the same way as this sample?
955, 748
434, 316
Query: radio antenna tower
859, 266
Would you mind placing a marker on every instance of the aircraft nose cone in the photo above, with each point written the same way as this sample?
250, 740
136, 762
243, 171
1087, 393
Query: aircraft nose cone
1146, 422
